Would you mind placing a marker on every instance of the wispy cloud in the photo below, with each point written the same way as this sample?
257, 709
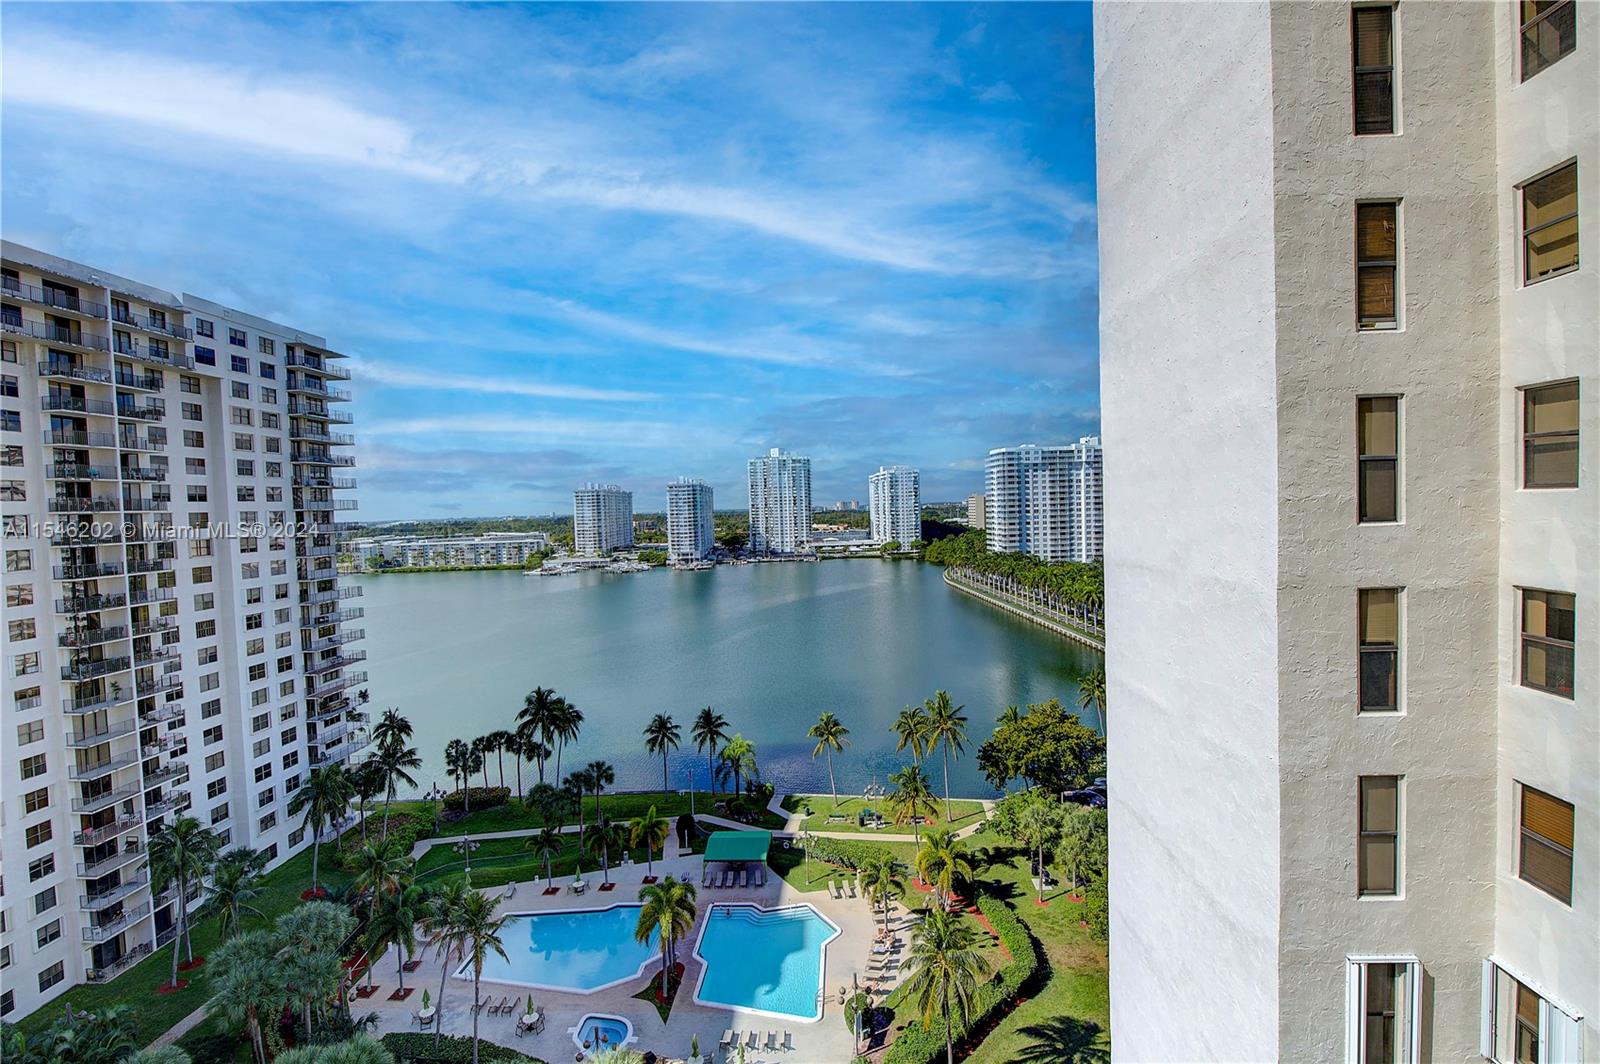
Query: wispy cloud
487, 383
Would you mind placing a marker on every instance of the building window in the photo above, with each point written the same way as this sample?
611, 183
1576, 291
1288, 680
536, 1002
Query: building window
1549, 629
1544, 857
1378, 441
1378, 859
204, 327
1377, 265
51, 976
1379, 637
38, 834
1518, 1023
1550, 435
1549, 32
236, 337
206, 356
1384, 1008
1372, 30
1550, 225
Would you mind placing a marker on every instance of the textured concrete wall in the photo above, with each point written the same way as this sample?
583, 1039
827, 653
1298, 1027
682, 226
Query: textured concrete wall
1444, 363
1188, 414
1551, 331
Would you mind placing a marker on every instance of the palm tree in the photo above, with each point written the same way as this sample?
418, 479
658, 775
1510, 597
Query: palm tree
547, 801
601, 775
945, 969
669, 912
910, 800
441, 922
947, 728
481, 749
181, 852
380, 868
323, 797
366, 783
1008, 716
310, 937
480, 932
250, 986
710, 729
546, 844
600, 838
831, 736
649, 830
395, 924
457, 760
567, 722
536, 720
235, 885
577, 785
661, 736
499, 741
911, 732
1092, 692
394, 763
739, 754
391, 728
880, 878
940, 864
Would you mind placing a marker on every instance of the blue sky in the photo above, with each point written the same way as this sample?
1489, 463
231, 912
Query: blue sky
576, 243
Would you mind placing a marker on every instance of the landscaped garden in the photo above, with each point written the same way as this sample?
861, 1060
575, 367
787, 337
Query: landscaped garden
857, 814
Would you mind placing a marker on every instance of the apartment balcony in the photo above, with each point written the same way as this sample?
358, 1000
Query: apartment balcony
303, 457
144, 473
97, 702
85, 504
153, 594
316, 364
144, 382
87, 534
110, 896
162, 714
112, 928
334, 594
63, 369
91, 603
149, 565
89, 773
80, 671
316, 434
111, 862
149, 532
330, 709
130, 441
170, 771
170, 895
164, 744
160, 624
106, 799
155, 687
59, 335
300, 384
336, 640
331, 735
92, 637
120, 965
327, 665
77, 740
107, 832
50, 297
145, 412
85, 572
77, 404
343, 526
323, 550
173, 802
324, 505
79, 471
64, 438
334, 686
147, 506
154, 657
301, 408
159, 326
322, 480
154, 355
322, 620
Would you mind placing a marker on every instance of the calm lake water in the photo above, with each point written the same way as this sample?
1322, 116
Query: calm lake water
770, 646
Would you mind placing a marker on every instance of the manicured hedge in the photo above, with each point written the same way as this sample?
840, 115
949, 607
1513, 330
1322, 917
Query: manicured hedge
414, 1046
476, 799
924, 1045
847, 853
404, 830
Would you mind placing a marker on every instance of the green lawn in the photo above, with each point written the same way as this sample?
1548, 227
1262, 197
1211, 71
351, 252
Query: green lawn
513, 816
813, 875
963, 812
154, 1014
499, 861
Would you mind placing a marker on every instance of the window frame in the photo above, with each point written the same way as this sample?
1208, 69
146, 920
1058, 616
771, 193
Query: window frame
1392, 650
1376, 457
1543, 840
1576, 433
1558, 1030
1356, 966
1383, 325
1522, 36
1397, 836
1527, 231
1547, 641
1392, 68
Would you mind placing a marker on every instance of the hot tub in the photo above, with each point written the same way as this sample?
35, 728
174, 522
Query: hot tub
597, 1032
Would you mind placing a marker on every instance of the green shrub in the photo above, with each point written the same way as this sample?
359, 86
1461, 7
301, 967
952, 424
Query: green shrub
847, 853
404, 831
410, 1046
476, 799
206, 1046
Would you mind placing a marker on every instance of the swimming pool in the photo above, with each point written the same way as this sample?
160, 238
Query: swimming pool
575, 951
764, 960
596, 1033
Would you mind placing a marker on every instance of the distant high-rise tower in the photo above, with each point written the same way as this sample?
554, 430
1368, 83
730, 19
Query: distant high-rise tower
602, 519
1046, 501
780, 503
690, 533
977, 511
896, 504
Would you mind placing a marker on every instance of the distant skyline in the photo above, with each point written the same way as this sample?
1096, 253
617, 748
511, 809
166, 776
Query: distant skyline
612, 243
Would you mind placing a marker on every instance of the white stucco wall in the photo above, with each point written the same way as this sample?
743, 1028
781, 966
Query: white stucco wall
1188, 416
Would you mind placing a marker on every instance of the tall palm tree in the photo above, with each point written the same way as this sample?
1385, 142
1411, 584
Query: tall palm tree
661, 736
499, 741
181, 852
577, 785
910, 800
1092, 692
457, 761
537, 718
546, 800
395, 924
395, 762
567, 722
601, 775
1038, 825
391, 728
235, 885
941, 865
310, 936
546, 844
1009, 715
945, 969
323, 797
831, 736
649, 830
480, 932
250, 986
739, 754
709, 731
947, 729
669, 913
911, 732
600, 838
379, 868
441, 922
481, 750
880, 878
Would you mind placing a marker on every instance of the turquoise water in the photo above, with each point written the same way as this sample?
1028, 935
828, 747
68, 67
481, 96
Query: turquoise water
576, 951
765, 960
602, 1032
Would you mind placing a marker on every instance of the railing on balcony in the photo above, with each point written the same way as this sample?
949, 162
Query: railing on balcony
130, 441
52, 297
148, 382
165, 683
305, 457
302, 383
151, 594
89, 637
61, 367
141, 411
162, 714
107, 832
171, 803
147, 506
84, 504
77, 404
322, 620
302, 408
112, 928
335, 640
86, 534
166, 772
79, 471
82, 739
319, 480
79, 671
334, 686
154, 355
90, 603
316, 364
118, 966
316, 434
105, 798
96, 702
333, 594
160, 624
85, 572
86, 773
149, 565
111, 862
57, 334
149, 324
328, 665
137, 472
65, 438
148, 658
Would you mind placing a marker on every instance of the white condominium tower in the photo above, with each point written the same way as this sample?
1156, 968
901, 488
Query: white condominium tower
1046, 501
602, 519
1351, 385
690, 532
174, 639
780, 503
895, 506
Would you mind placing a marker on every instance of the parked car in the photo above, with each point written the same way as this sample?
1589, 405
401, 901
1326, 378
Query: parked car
1092, 799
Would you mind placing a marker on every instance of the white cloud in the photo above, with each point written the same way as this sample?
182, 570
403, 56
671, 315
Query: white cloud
369, 369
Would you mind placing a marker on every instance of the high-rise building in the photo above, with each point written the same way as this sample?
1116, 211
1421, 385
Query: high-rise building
895, 505
1350, 369
1046, 501
780, 503
691, 534
602, 519
174, 636
977, 509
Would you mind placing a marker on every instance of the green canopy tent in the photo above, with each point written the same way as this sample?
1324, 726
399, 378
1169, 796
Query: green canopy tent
735, 851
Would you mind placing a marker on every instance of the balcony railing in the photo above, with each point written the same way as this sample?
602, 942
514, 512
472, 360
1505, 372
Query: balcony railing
318, 435
85, 572
152, 594
148, 658
106, 798
302, 408
60, 367
111, 862
162, 714
147, 506
154, 355
321, 458
160, 624
173, 802
149, 565
145, 412
166, 772
78, 671
333, 594
322, 620
90, 603
327, 665
112, 928
335, 640
118, 966
149, 324
79, 471
52, 297
164, 683
91, 637
322, 480
111, 895
149, 382
86, 773
107, 832
151, 473
84, 504
57, 334
83, 739
77, 404
131, 441
316, 364
95, 703
335, 686
64, 438
302, 383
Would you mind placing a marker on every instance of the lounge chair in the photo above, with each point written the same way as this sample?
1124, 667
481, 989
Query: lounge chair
477, 1006
788, 1042
727, 1039
772, 1042
727, 879
753, 1040
511, 891
505, 1006
744, 879
850, 885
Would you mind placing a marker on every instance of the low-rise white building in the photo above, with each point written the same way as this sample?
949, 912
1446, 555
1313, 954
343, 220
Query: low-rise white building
444, 552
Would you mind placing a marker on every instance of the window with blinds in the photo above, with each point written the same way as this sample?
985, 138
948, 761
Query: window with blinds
1379, 638
1372, 53
1378, 459
1549, 32
1549, 634
1377, 264
1550, 435
1378, 844
1550, 225
1545, 858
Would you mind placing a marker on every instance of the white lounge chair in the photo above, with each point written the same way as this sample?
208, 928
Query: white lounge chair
753, 1040
511, 891
772, 1042
788, 1042
744, 879
728, 1038
850, 885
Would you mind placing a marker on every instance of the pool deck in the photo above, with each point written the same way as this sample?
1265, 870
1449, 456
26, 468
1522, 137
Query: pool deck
825, 1041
